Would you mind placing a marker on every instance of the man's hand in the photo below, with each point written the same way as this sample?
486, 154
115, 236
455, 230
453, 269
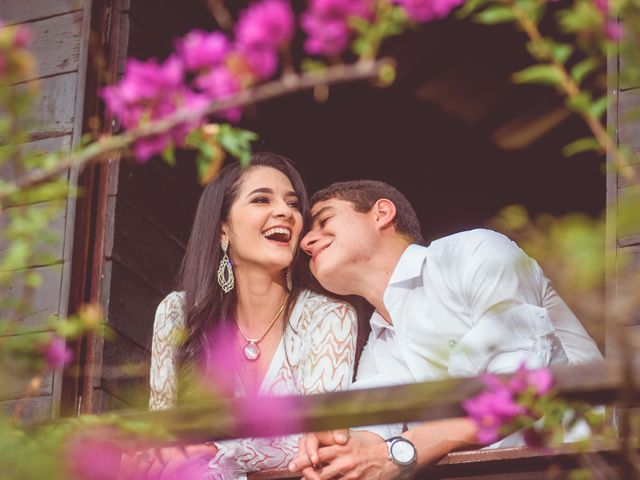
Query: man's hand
364, 456
307, 456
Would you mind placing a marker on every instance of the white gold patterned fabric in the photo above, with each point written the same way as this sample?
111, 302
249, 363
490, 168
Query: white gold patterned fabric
316, 354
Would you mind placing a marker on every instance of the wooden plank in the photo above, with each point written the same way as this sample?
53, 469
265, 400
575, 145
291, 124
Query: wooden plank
132, 305
36, 409
593, 383
628, 281
44, 300
54, 108
105, 402
144, 249
628, 120
628, 224
125, 370
8, 170
56, 226
13, 385
157, 194
19, 11
56, 44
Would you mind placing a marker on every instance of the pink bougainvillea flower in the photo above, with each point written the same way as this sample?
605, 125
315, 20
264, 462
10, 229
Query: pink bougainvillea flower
219, 84
490, 411
614, 30
266, 25
267, 415
427, 10
152, 91
328, 38
93, 456
200, 51
22, 37
498, 406
326, 23
57, 354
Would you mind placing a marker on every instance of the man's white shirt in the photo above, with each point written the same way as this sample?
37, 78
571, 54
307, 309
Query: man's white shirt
469, 303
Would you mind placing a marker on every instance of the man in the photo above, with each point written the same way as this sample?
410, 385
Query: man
469, 303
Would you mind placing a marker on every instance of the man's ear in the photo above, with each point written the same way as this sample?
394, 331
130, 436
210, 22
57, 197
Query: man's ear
385, 212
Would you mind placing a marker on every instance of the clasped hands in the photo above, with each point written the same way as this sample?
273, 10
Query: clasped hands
345, 454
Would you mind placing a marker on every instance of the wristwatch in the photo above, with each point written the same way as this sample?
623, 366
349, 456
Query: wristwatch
401, 451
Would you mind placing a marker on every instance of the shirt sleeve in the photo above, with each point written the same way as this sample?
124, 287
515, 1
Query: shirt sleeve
503, 289
169, 321
328, 366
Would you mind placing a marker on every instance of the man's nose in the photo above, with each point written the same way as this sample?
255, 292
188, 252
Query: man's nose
308, 241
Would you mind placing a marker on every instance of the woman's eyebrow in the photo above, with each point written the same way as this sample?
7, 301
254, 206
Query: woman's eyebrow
261, 190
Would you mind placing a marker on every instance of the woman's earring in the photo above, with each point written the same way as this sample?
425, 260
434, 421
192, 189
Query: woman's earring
288, 280
225, 272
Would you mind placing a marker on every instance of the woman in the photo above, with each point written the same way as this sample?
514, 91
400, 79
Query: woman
243, 268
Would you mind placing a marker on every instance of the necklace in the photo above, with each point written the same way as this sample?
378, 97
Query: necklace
251, 350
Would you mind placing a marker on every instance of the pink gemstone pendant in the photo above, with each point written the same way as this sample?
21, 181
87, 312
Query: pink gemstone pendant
251, 351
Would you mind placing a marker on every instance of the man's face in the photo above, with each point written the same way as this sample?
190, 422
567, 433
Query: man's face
339, 244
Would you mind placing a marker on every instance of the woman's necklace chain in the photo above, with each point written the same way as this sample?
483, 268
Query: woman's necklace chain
251, 350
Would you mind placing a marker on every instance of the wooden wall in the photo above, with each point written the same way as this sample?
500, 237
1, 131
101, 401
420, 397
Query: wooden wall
149, 212
58, 28
623, 235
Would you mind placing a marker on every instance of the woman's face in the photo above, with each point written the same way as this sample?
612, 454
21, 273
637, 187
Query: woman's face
265, 222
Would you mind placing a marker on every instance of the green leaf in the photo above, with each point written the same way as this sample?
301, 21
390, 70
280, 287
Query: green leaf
359, 24
495, 14
310, 65
598, 107
583, 68
561, 51
538, 74
169, 155
237, 142
579, 146
579, 103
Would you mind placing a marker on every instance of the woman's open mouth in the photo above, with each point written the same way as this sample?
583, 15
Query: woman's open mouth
280, 235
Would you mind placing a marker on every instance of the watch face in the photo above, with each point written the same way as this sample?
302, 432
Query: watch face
403, 452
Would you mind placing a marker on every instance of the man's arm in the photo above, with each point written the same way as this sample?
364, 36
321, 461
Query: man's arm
365, 454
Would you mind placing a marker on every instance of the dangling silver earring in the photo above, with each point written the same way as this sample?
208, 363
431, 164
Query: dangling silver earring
226, 279
288, 279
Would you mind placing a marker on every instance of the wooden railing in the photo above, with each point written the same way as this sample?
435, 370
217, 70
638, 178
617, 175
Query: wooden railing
594, 384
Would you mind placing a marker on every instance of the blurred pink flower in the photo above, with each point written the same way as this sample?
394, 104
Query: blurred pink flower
614, 30
427, 10
267, 415
22, 37
57, 354
265, 25
218, 84
498, 406
326, 22
201, 51
490, 411
152, 91
93, 456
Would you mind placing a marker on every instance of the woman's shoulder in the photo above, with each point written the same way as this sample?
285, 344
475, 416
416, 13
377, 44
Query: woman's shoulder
171, 309
316, 307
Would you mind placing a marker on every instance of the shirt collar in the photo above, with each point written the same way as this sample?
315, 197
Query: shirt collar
408, 267
410, 264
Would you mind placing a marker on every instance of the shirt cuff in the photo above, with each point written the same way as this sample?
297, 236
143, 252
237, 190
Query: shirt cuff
384, 431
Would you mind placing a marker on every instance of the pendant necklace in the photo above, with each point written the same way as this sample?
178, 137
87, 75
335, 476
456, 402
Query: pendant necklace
251, 350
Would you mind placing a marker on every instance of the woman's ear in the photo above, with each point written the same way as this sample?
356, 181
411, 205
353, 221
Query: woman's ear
385, 212
224, 233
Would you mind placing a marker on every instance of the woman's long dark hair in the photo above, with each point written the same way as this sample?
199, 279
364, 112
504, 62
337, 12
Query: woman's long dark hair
207, 309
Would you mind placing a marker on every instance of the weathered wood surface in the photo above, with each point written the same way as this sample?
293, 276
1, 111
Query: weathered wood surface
44, 300
628, 121
14, 386
132, 304
56, 44
55, 107
36, 409
19, 11
597, 383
